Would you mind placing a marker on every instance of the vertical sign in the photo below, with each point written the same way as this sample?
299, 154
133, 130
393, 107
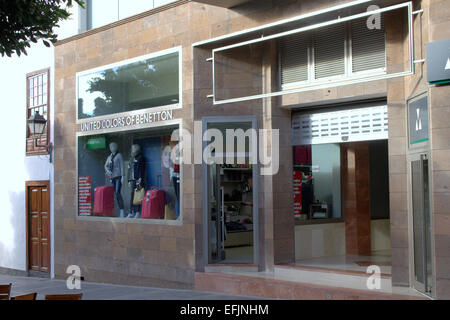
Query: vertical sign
418, 120
84, 196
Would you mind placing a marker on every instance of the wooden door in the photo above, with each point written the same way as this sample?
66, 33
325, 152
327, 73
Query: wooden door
39, 228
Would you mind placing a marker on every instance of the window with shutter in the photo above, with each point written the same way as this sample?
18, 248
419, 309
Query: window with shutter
360, 124
368, 46
294, 58
329, 51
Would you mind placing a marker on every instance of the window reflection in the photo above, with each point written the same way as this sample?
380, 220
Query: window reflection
144, 84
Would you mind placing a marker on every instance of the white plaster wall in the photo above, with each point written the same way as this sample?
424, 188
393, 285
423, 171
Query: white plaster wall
380, 234
319, 240
15, 167
328, 240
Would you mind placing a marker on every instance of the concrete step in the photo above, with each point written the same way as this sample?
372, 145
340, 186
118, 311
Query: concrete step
331, 277
231, 268
265, 285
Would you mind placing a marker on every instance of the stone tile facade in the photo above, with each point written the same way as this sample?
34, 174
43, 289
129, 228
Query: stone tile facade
163, 255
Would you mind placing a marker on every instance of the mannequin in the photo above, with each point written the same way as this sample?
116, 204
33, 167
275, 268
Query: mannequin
114, 170
175, 170
136, 173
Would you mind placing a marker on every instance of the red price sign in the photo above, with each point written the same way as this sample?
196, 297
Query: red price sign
84, 196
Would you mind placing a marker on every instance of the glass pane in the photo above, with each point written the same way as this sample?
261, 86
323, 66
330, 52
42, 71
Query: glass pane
230, 191
428, 231
103, 12
317, 181
214, 207
140, 85
115, 165
128, 8
417, 221
159, 3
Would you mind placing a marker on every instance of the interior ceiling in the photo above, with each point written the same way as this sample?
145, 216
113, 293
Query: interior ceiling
223, 3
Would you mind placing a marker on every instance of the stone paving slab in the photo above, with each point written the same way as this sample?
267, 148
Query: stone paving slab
95, 291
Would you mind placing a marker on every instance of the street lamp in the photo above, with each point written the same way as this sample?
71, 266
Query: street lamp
37, 124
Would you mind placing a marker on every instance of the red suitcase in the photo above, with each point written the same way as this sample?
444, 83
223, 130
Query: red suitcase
153, 205
104, 201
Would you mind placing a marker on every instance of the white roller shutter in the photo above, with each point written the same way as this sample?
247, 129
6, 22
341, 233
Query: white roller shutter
294, 58
329, 51
361, 124
368, 46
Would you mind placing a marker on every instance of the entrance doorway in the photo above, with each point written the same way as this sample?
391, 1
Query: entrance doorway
38, 226
230, 194
421, 223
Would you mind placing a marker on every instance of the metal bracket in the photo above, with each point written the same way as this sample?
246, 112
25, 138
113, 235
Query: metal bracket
49, 148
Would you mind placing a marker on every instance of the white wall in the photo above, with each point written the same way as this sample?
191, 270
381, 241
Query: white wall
380, 234
16, 168
319, 240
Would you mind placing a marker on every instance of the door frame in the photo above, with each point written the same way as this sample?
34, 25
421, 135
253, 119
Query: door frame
414, 152
28, 185
413, 283
255, 167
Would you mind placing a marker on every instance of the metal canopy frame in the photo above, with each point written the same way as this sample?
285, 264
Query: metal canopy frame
330, 84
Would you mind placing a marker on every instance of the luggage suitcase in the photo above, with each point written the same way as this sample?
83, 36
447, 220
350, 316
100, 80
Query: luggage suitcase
104, 201
153, 205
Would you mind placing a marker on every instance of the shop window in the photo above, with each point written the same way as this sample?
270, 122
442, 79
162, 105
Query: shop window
317, 182
102, 12
130, 175
343, 50
37, 101
148, 83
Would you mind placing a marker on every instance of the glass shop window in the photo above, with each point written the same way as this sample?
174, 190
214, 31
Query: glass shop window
317, 182
140, 85
131, 175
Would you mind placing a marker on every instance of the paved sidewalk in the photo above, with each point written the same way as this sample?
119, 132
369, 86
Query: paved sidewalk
95, 291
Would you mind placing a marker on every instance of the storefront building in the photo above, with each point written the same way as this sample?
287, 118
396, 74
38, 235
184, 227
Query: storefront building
343, 162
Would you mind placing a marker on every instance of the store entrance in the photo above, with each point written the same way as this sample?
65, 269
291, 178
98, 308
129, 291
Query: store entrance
229, 196
421, 223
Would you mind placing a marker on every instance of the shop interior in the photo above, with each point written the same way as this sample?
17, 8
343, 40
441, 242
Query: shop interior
341, 205
230, 203
142, 164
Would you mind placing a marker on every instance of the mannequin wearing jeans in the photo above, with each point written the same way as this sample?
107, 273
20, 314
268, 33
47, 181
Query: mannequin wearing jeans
136, 172
114, 170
